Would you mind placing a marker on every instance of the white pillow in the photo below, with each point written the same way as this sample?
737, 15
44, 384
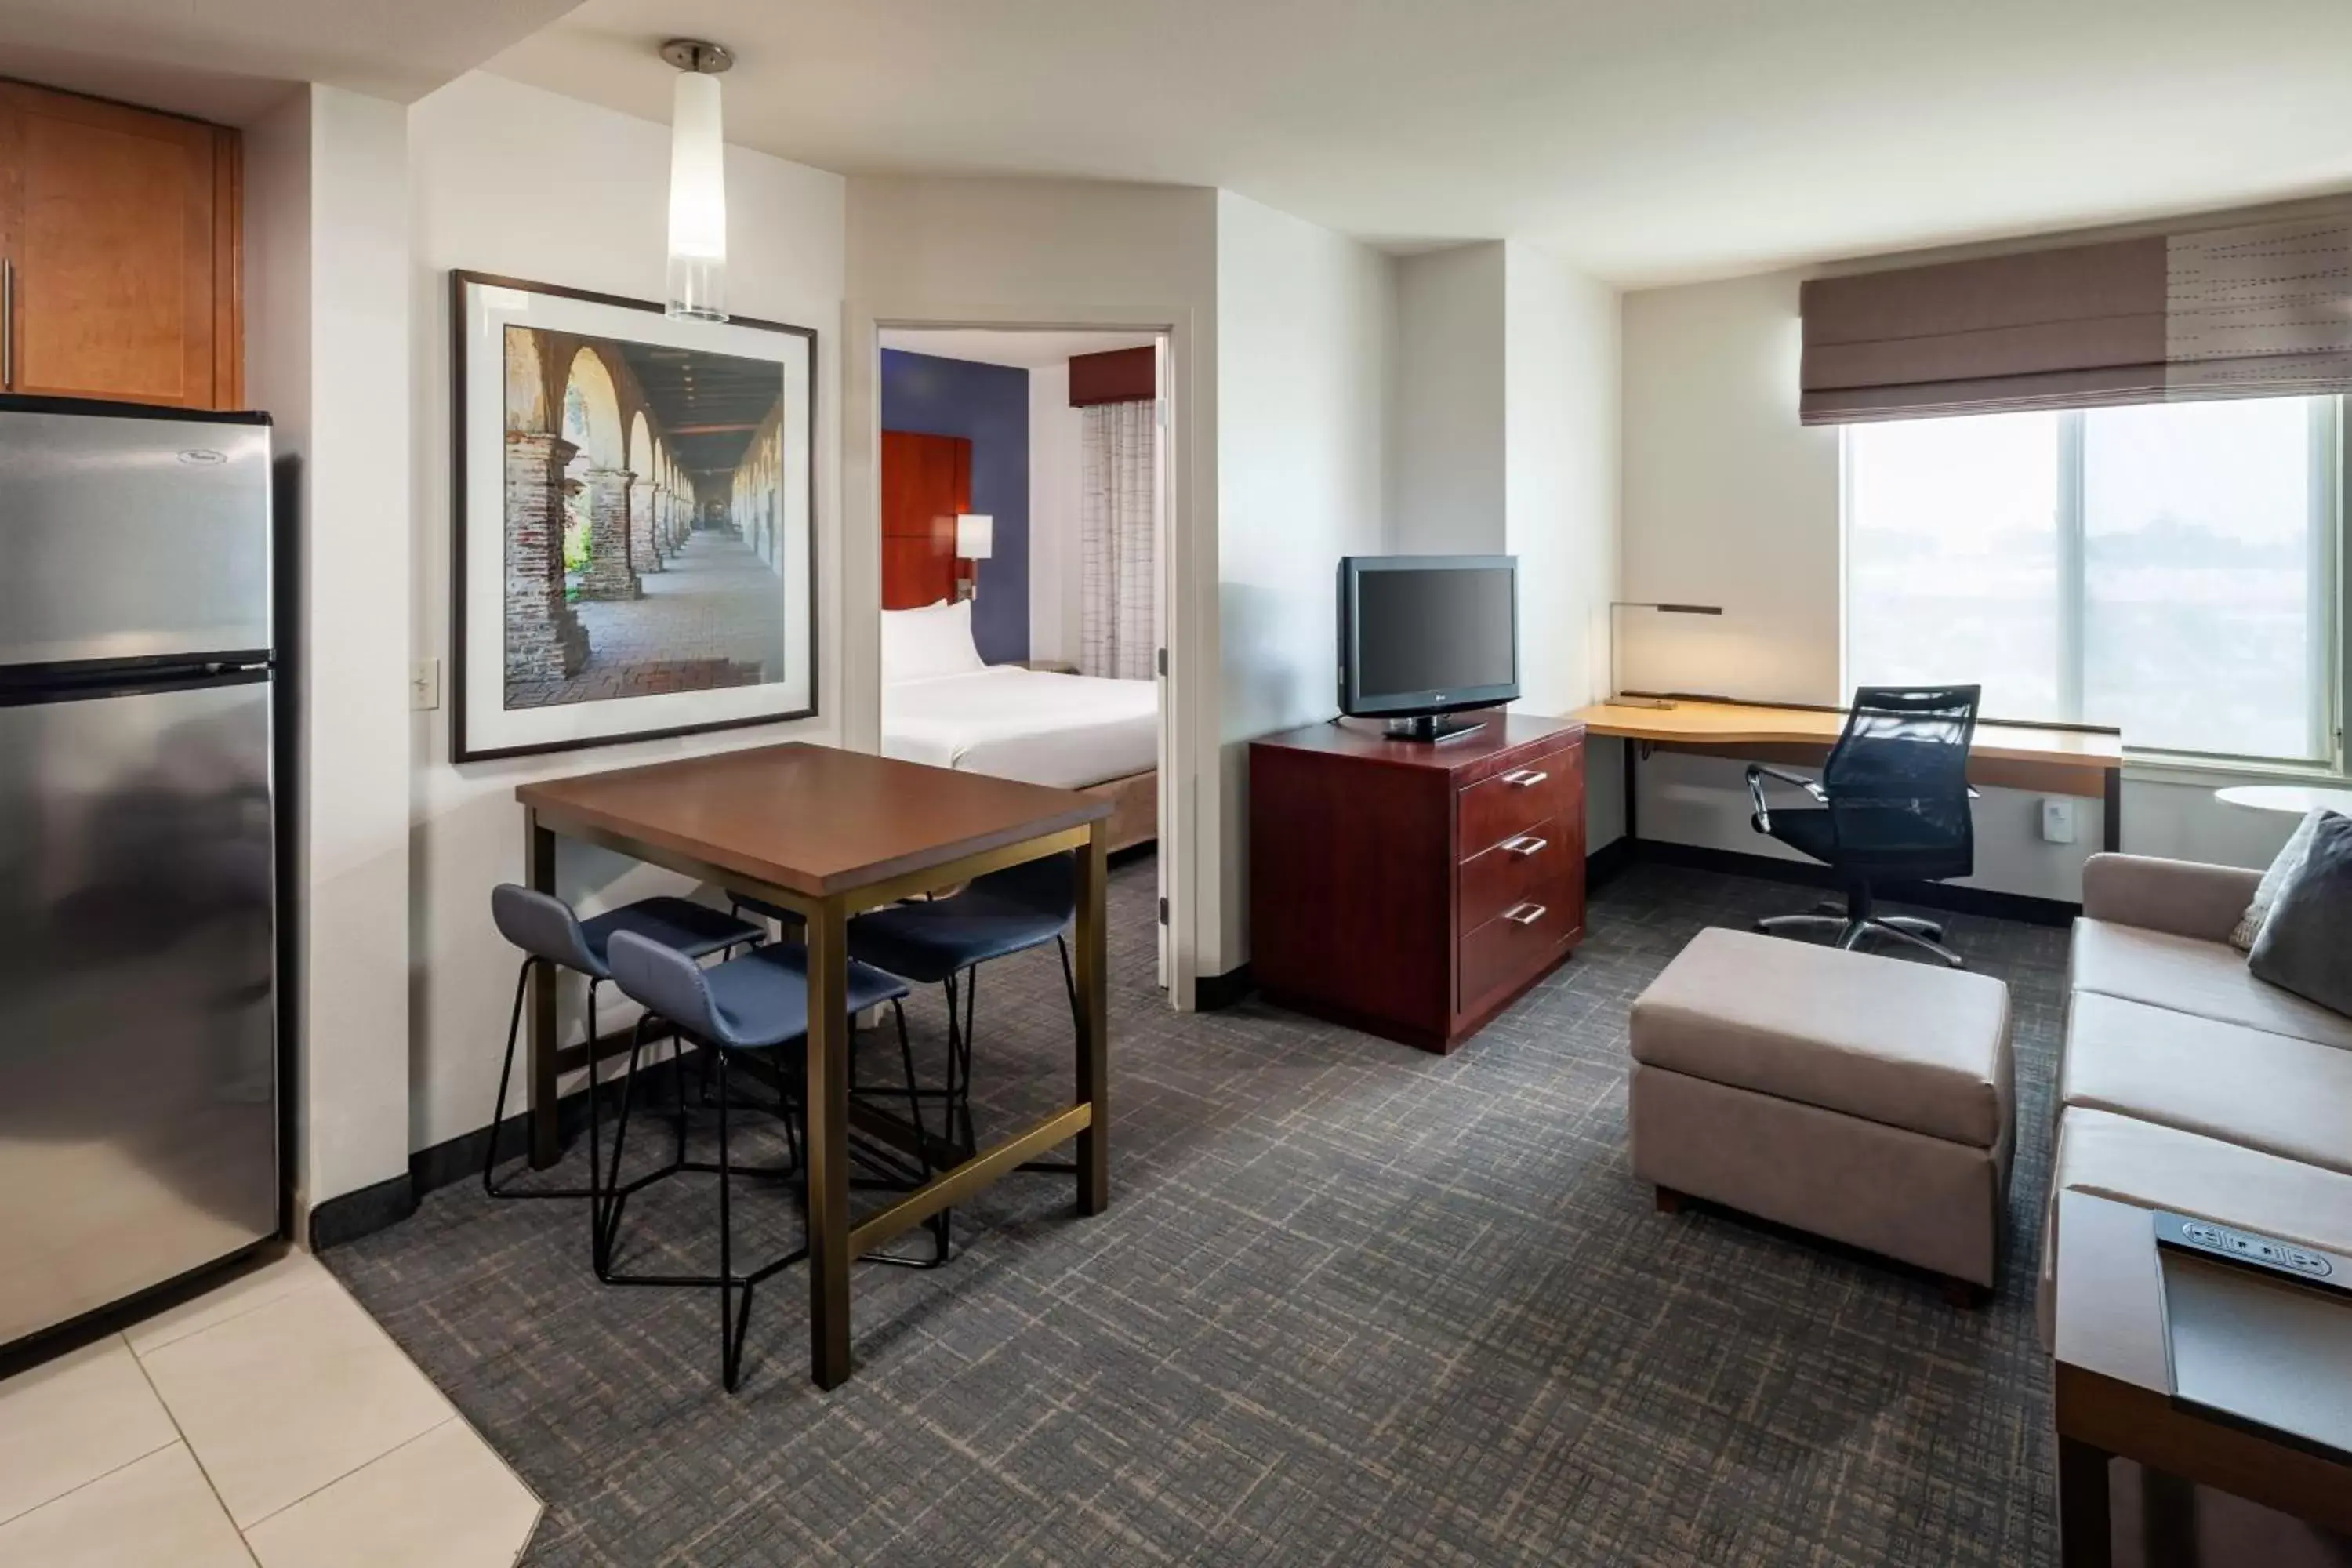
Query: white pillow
2275, 881
922, 644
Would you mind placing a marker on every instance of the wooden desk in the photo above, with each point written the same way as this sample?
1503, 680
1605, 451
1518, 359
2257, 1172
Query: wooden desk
2114, 1394
828, 834
2043, 760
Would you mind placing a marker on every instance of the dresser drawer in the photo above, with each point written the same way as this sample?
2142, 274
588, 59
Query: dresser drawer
1529, 866
1514, 801
1514, 947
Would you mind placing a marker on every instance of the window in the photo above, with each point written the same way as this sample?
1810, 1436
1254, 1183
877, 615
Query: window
2168, 568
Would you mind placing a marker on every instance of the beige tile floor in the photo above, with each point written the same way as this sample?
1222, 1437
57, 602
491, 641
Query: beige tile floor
269, 1422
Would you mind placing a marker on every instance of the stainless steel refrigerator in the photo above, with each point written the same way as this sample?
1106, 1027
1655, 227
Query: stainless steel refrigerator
138, 1061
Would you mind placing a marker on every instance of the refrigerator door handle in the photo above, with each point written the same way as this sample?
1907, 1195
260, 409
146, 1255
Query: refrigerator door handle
7, 324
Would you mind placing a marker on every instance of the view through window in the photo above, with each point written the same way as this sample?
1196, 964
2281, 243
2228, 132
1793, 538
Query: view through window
2164, 567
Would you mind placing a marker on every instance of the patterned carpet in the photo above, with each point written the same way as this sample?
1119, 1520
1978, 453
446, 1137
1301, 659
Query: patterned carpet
1351, 1304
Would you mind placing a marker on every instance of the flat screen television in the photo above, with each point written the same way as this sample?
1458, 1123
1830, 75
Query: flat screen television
1422, 636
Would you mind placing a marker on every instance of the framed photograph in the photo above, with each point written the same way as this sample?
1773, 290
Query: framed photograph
633, 540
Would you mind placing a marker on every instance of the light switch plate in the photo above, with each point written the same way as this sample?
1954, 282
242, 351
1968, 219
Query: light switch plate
2058, 822
424, 685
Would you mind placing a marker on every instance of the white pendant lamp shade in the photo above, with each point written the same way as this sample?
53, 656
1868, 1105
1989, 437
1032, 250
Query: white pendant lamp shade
698, 198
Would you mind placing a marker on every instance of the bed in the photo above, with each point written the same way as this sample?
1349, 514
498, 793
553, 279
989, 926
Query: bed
941, 705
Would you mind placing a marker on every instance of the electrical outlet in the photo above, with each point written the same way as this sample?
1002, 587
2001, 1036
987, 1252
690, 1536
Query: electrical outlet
424, 685
2058, 822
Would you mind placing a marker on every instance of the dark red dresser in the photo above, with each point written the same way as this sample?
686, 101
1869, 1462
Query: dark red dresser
1411, 889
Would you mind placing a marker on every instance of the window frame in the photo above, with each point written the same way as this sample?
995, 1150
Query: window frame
2331, 654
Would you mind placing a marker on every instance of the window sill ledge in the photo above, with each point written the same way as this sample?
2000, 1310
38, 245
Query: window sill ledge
2216, 773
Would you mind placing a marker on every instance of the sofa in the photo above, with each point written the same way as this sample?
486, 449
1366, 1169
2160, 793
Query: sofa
2186, 1083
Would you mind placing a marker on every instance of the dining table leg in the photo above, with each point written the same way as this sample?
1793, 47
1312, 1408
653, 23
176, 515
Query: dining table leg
828, 1143
1094, 1032
546, 1145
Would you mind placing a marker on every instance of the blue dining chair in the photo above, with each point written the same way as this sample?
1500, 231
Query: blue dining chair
943, 942
549, 932
756, 1003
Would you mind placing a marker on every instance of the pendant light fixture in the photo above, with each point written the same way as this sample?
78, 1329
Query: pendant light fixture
698, 182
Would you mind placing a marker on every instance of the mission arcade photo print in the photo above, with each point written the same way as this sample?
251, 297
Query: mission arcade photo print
633, 550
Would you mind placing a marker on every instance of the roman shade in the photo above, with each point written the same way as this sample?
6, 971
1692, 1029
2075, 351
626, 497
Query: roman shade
2258, 311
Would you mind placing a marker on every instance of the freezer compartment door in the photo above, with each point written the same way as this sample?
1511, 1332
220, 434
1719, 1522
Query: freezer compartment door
138, 1118
128, 537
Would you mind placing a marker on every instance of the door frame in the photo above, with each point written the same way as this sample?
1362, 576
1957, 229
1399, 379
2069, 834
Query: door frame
1189, 756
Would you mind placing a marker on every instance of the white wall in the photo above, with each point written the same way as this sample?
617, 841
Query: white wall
1729, 502
1303, 327
327, 356
1561, 437
1503, 422
1061, 253
509, 179
1449, 420
1056, 467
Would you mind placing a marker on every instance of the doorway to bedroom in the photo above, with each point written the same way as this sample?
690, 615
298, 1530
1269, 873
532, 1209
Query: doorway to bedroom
1024, 517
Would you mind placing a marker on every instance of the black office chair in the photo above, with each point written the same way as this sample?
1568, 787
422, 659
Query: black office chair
1892, 804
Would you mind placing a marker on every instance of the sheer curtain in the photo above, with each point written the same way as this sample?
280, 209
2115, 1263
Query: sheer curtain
1118, 624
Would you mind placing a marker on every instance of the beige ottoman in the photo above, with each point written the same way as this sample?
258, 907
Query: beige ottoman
1867, 1099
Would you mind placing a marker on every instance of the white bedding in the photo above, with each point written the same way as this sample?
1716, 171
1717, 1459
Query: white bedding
1068, 730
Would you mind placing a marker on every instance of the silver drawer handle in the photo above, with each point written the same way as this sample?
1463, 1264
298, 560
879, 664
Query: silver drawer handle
1527, 843
1524, 778
1526, 914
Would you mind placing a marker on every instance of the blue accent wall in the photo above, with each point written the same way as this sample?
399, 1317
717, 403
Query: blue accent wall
987, 405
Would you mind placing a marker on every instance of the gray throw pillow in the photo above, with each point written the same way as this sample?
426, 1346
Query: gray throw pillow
2306, 945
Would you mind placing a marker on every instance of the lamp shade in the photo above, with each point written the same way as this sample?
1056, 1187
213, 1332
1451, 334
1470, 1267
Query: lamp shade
975, 534
698, 200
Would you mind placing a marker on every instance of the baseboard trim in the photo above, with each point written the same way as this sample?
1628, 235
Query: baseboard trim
1606, 864
2020, 906
350, 1216
459, 1159
1213, 992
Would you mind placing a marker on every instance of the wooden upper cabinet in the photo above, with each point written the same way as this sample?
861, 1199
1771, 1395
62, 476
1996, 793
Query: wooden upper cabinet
120, 229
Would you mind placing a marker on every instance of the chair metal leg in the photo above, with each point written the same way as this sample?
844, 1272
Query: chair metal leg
971, 1013
940, 1225
606, 1210
731, 1342
490, 1185
1914, 925
1778, 925
1916, 939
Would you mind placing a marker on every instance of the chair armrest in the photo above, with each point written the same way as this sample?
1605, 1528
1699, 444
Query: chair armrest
1758, 772
2185, 897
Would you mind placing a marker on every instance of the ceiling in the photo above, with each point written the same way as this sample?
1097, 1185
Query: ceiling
232, 61
1024, 350
1645, 140
709, 406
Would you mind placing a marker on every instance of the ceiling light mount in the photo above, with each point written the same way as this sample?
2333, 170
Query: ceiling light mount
698, 56
698, 182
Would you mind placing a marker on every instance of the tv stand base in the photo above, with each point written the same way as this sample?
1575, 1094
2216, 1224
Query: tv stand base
1432, 727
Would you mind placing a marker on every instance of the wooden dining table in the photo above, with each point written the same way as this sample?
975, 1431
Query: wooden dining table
828, 834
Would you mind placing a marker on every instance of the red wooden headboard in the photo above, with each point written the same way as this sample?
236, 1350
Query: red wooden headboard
926, 481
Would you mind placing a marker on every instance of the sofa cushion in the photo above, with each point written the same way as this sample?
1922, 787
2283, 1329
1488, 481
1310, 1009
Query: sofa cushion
1882, 1038
2158, 1167
2207, 978
2306, 945
2282, 867
2277, 1093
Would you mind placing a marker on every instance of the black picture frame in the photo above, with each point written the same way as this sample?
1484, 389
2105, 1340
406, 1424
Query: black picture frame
457, 692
